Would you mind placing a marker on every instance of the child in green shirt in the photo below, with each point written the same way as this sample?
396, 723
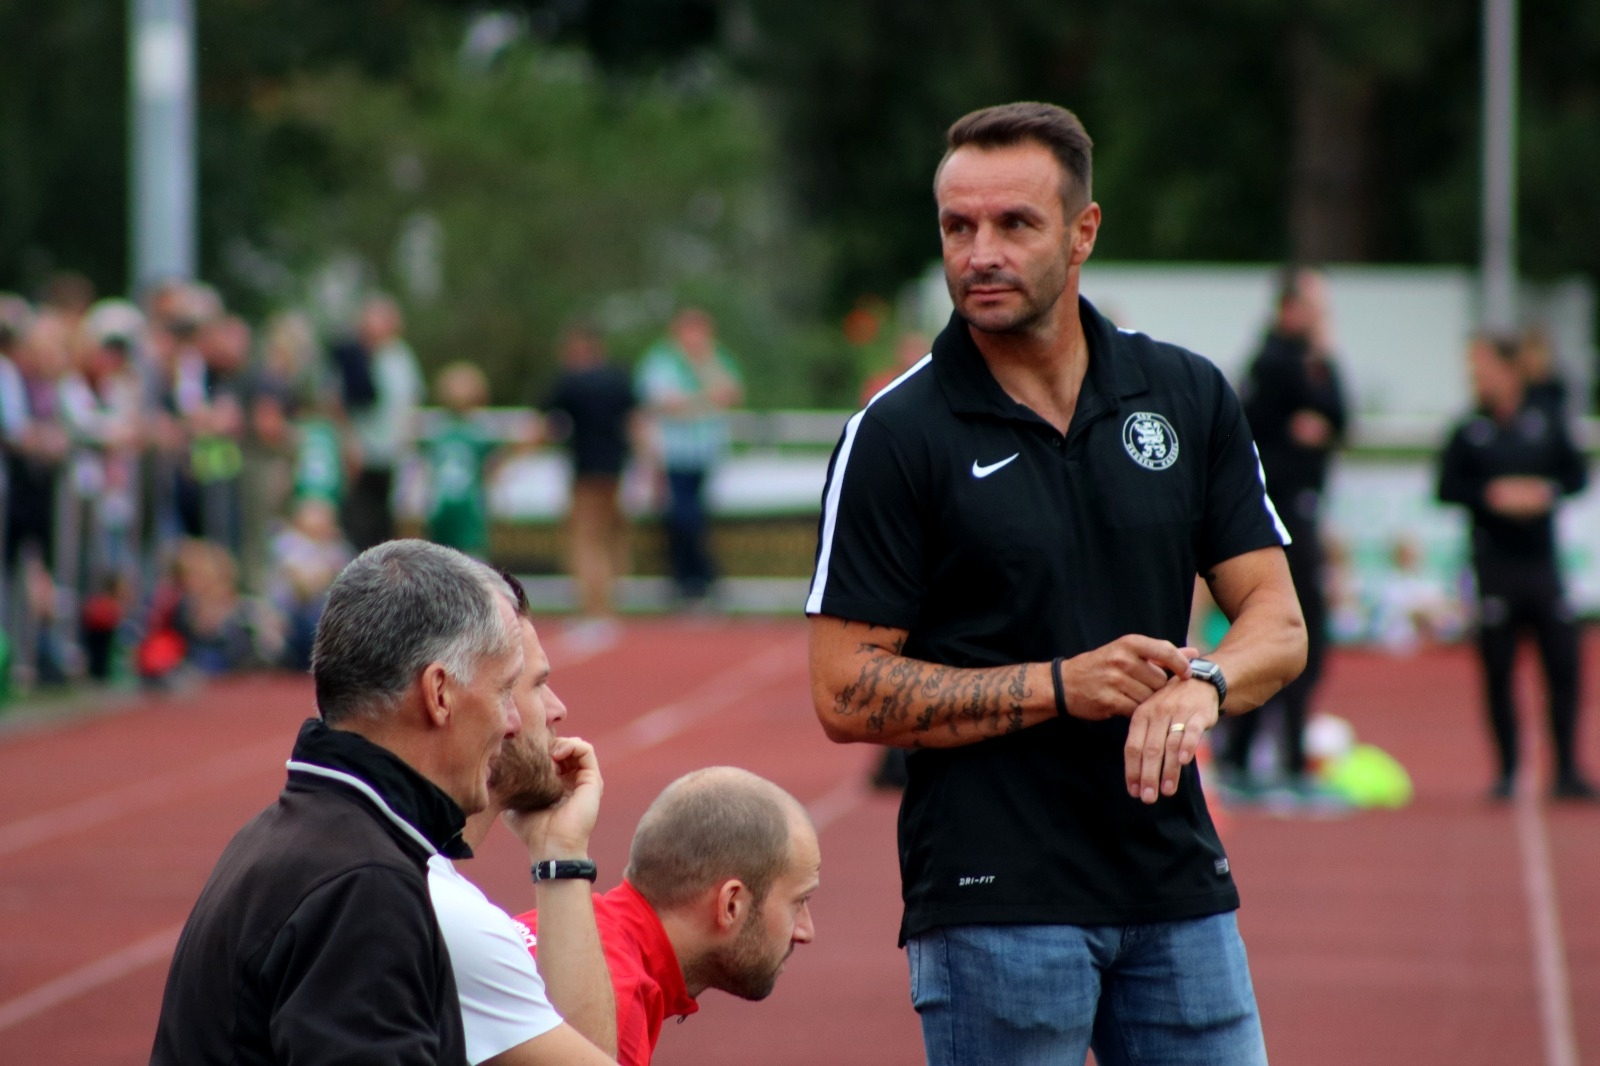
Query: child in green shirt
319, 459
458, 454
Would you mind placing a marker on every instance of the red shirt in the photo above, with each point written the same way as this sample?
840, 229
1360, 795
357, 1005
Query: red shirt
644, 969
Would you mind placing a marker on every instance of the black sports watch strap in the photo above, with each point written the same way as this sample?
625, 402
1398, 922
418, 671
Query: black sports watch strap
565, 869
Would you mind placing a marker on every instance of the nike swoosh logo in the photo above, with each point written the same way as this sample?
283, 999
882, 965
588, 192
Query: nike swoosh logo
985, 471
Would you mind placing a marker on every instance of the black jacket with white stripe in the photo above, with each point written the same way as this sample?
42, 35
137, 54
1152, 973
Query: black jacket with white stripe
315, 941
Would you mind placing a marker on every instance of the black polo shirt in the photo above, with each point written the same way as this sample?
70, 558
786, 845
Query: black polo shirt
1533, 444
955, 513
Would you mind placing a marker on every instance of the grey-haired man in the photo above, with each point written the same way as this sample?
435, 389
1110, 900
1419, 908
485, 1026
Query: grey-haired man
315, 939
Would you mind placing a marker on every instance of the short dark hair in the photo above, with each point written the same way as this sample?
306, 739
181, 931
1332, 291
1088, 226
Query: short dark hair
519, 593
1498, 343
1054, 127
706, 827
1291, 280
395, 609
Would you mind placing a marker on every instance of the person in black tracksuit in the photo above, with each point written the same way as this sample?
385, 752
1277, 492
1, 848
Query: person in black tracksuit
1508, 463
1295, 404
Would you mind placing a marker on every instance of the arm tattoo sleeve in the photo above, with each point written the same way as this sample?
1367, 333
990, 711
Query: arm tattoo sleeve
897, 694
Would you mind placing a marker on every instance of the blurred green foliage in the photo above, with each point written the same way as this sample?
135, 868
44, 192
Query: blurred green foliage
772, 160
1212, 120
503, 199
63, 142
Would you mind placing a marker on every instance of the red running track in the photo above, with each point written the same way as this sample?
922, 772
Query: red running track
1451, 932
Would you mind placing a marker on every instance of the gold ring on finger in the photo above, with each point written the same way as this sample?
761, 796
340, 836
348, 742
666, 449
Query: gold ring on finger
1175, 727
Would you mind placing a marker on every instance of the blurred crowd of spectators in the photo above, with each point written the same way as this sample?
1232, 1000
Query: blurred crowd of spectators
180, 487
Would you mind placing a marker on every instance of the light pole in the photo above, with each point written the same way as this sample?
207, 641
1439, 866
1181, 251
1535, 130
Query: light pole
1498, 309
161, 72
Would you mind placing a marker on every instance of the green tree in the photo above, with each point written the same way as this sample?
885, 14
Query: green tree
1343, 130
502, 201
64, 117
1226, 130
63, 149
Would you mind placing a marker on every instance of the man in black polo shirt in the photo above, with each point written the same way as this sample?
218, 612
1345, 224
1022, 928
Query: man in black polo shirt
1294, 402
1009, 541
1509, 463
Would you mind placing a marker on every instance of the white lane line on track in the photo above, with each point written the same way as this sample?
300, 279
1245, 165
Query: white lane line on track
568, 650
667, 721
50, 826
1544, 918
91, 811
643, 732
90, 976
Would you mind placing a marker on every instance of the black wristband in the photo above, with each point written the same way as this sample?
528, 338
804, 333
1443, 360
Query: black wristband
565, 869
1061, 691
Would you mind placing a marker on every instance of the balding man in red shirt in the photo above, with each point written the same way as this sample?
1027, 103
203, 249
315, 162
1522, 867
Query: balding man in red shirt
716, 895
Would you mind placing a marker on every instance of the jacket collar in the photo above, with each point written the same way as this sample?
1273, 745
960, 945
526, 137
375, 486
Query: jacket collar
970, 388
416, 805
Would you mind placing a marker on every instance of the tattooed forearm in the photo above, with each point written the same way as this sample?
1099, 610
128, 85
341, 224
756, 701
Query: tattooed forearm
865, 688
897, 695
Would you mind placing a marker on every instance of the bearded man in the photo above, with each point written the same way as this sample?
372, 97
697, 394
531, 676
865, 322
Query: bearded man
323, 934
1008, 548
716, 895
550, 789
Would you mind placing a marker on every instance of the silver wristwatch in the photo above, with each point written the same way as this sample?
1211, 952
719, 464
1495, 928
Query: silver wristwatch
1209, 672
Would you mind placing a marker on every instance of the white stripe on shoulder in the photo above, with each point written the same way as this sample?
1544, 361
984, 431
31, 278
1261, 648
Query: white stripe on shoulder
1266, 498
912, 369
369, 792
830, 496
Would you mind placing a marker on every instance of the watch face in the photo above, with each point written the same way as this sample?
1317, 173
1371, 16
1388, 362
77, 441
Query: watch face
1204, 669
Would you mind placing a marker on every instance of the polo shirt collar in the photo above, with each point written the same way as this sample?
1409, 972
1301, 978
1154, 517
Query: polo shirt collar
970, 388
628, 906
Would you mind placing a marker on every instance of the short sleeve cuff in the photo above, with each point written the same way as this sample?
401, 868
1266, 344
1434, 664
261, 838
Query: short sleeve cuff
871, 612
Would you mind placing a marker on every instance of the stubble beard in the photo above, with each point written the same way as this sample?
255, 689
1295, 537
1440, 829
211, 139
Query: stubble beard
1039, 297
746, 968
524, 778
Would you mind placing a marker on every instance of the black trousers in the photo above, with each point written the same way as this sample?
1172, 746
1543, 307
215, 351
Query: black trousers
1293, 703
1525, 596
30, 510
367, 514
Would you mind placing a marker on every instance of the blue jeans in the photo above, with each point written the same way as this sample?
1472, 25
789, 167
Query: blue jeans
688, 533
1163, 994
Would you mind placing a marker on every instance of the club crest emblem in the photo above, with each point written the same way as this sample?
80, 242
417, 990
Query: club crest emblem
1150, 440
